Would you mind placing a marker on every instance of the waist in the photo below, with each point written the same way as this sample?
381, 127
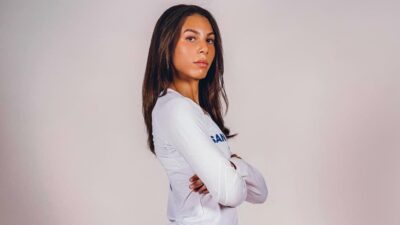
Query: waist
198, 209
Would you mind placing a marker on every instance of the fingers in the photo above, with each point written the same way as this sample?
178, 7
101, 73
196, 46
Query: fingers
234, 155
203, 189
194, 178
197, 185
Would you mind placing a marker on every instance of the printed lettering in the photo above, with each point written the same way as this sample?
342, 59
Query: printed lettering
218, 138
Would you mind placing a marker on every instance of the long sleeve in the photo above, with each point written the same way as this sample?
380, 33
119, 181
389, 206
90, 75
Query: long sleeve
257, 191
184, 127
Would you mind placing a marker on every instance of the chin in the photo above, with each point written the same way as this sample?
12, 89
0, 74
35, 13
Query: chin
195, 75
199, 76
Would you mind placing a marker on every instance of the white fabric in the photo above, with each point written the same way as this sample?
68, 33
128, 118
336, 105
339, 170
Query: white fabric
187, 141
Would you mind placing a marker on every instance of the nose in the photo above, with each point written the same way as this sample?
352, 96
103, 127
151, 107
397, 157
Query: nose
204, 48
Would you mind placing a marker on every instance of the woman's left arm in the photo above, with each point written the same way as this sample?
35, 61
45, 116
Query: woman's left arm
257, 190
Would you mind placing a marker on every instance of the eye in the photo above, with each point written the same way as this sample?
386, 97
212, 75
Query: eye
211, 41
190, 38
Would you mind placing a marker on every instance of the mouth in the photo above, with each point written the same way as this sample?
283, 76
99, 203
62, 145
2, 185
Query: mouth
201, 63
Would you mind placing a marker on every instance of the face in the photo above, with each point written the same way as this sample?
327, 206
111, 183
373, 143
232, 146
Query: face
196, 43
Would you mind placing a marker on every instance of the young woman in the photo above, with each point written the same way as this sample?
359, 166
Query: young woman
182, 110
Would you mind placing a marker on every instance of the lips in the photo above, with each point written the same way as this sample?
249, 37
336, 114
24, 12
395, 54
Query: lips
202, 63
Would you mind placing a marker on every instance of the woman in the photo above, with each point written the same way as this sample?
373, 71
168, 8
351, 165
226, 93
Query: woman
181, 106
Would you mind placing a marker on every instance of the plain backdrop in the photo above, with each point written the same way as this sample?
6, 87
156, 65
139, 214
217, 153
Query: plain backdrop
313, 88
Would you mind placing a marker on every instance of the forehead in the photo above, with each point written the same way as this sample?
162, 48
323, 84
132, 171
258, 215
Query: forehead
197, 22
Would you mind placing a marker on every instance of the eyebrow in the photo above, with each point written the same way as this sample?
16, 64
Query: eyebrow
195, 31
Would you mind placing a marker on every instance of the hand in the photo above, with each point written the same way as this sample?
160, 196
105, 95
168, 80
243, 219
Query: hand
197, 185
233, 165
234, 155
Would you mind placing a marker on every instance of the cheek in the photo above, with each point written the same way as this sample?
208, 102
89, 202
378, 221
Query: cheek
183, 55
212, 52
183, 51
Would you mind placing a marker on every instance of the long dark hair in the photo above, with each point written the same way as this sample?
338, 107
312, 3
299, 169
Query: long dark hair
159, 69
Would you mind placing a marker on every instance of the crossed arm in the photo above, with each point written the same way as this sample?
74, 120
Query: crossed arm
230, 182
257, 191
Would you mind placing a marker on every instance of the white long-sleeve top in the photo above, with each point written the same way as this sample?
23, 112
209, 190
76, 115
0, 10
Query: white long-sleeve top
187, 141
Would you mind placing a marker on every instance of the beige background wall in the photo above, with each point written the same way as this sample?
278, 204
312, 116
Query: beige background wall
314, 94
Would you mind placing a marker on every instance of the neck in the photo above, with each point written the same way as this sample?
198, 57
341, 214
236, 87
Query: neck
187, 89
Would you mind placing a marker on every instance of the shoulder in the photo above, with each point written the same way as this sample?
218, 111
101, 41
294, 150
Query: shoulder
175, 118
172, 106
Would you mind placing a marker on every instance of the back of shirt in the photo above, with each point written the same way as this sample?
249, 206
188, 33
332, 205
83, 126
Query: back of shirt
187, 141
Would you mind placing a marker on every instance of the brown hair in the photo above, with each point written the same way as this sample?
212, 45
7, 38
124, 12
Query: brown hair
159, 69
